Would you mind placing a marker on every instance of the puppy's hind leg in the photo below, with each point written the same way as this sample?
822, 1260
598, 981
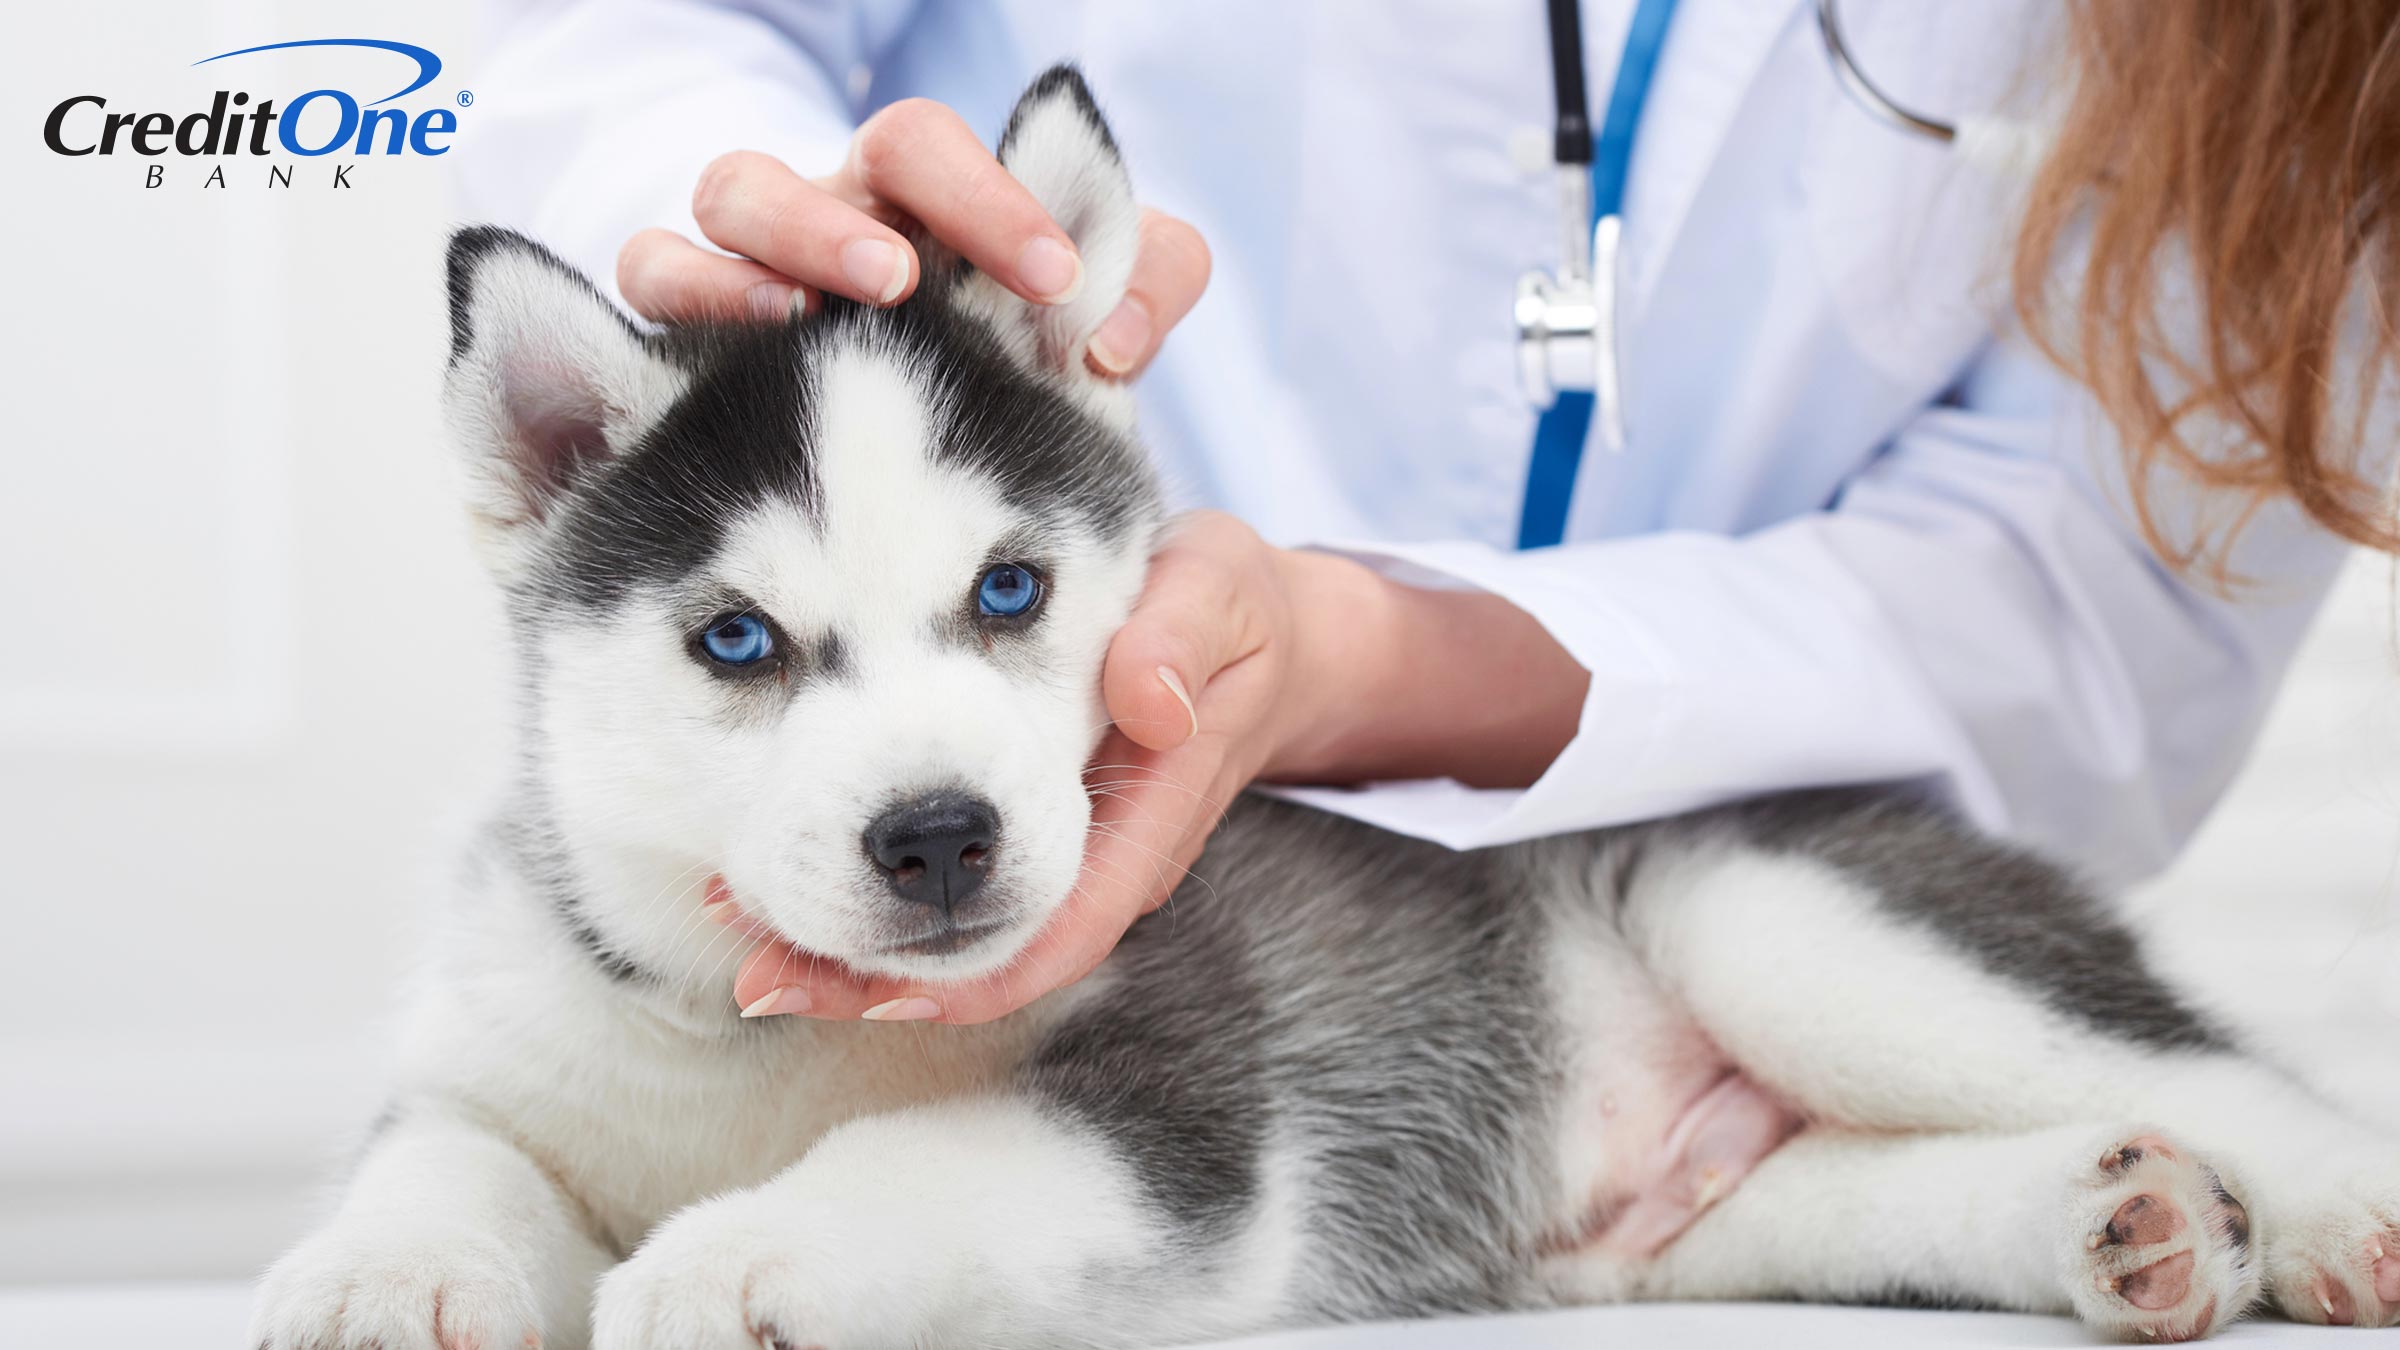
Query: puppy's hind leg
1877, 966
2130, 1233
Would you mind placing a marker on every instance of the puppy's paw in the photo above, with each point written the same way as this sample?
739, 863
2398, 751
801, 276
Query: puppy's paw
2159, 1248
351, 1289
753, 1269
2333, 1253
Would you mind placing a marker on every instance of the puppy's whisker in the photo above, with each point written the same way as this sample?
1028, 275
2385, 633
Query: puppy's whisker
1120, 783
1165, 867
682, 889
740, 945
691, 967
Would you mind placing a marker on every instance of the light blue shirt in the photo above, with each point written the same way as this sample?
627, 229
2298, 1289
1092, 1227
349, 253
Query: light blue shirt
1860, 533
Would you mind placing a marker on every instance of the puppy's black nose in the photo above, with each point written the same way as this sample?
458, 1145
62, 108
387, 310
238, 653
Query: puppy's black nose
935, 850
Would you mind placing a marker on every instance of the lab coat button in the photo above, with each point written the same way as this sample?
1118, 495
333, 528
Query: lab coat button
1529, 149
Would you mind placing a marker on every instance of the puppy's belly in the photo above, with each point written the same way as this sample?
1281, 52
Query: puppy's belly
1662, 1125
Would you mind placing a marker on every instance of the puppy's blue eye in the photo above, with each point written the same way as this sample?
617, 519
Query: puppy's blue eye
738, 640
1006, 591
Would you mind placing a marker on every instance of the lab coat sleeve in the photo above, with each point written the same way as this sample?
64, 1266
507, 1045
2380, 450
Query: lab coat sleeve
594, 120
1974, 614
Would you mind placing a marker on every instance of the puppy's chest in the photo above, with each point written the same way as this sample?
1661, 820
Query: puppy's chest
659, 1119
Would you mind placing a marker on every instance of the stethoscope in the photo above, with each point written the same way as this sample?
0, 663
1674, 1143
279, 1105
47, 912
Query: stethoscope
1568, 356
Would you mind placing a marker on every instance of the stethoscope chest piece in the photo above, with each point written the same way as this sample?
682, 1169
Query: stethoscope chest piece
1567, 325
1554, 329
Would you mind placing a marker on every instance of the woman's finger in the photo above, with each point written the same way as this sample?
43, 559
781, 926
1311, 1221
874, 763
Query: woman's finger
754, 205
923, 158
778, 981
1077, 939
1152, 810
1196, 617
1169, 274
666, 277
1151, 815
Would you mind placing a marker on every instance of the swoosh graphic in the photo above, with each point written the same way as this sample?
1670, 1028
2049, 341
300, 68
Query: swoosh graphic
428, 65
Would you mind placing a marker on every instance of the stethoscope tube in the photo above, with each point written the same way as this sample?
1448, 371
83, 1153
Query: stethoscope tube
1571, 133
1862, 90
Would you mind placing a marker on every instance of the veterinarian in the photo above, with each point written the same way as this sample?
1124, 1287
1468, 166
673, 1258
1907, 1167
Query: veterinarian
1934, 467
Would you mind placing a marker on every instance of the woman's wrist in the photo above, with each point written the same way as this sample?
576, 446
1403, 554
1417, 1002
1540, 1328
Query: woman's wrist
1394, 681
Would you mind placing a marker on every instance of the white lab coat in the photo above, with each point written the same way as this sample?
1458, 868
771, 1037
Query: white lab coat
1860, 534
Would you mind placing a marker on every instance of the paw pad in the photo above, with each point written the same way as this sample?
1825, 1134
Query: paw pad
2143, 1221
2159, 1285
2323, 1271
2165, 1249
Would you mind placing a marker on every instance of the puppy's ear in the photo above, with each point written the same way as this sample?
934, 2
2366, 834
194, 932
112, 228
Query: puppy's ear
1059, 147
546, 380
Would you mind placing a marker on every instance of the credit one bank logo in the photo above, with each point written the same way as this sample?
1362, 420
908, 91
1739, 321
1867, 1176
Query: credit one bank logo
308, 126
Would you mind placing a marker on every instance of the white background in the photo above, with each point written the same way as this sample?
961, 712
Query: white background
248, 677
250, 684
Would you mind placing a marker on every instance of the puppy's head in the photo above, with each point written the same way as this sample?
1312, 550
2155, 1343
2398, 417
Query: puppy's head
820, 605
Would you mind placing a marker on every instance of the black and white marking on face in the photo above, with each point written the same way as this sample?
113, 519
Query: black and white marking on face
772, 411
871, 478
859, 558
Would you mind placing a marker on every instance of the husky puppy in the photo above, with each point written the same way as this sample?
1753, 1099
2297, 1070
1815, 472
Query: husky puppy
820, 606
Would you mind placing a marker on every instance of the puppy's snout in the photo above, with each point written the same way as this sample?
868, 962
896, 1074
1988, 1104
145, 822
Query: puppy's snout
935, 850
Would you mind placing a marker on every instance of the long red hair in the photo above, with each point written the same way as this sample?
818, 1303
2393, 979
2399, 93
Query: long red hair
2255, 146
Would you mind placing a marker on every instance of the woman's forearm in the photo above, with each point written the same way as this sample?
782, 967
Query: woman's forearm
1406, 682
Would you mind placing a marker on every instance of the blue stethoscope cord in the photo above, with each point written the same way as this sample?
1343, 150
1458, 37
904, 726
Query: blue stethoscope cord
1559, 437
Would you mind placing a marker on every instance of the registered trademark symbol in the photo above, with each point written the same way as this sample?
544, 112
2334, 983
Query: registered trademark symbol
466, 98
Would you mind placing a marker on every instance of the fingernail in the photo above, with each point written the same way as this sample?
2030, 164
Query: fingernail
1174, 684
903, 1010
1122, 338
791, 998
1050, 270
773, 300
875, 269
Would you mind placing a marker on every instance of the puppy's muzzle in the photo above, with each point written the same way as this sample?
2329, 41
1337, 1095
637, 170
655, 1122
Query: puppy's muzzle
935, 850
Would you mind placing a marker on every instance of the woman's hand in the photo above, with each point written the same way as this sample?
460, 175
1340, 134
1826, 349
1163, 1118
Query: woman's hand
915, 160
1243, 661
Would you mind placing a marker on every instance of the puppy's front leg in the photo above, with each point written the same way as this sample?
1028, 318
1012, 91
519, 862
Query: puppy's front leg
448, 1237
988, 1222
